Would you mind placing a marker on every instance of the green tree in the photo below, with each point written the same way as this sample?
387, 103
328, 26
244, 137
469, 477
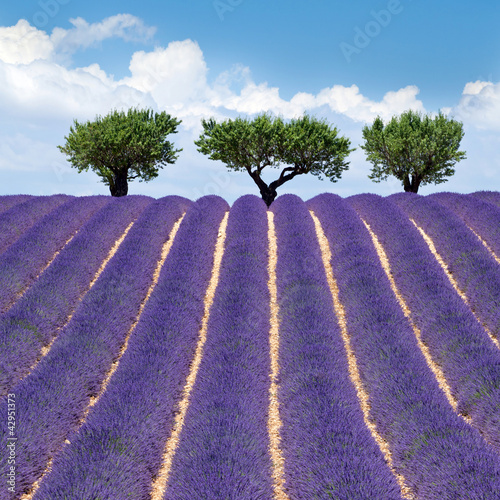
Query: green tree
122, 146
416, 149
305, 144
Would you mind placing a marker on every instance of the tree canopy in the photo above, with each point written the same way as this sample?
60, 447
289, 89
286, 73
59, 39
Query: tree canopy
120, 146
305, 144
416, 149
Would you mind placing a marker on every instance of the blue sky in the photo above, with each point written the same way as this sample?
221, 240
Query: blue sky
344, 61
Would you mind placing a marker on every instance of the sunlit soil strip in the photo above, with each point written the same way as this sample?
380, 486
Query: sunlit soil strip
493, 254
164, 253
454, 283
44, 350
160, 482
351, 358
112, 252
36, 484
438, 373
274, 421
22, 292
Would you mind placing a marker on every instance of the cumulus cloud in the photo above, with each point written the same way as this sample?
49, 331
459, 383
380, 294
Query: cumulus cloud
347, 101
172, 78
23, 43
42, 94
176, 78
173, 75
46, 90
35, 83
474, 88
350, 102
480, 105
255, 98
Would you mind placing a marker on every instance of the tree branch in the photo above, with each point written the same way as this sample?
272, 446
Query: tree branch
286, 169
282, 179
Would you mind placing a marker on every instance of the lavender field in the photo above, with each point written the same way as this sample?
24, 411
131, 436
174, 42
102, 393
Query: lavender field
335, 348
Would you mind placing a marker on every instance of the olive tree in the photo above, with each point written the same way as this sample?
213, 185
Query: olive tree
120, 147
304, 145
416, 149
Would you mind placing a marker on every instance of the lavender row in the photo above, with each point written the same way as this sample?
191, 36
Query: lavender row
118, 451
457, 342
23, 261
472, 265
492, 197
22, 216
8, 201
33, 321
53, 398
437, 453
482, 217
223, 450
328, 450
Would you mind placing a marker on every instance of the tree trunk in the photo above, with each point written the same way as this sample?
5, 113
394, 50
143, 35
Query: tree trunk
268, 195
119, 186
411, 187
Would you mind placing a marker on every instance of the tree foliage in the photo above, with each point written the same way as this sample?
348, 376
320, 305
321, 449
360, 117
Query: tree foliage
120, 146
305, 144
416, 149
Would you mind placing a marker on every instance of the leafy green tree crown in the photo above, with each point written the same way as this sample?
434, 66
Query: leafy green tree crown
416, 149
305, 144
122, 146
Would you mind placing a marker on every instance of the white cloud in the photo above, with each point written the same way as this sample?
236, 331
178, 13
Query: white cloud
23, 43
341, 99
474, 88
174, 76
44, 89
397, 102
83, 34
38, 88
480, 105
256, 98
349, 101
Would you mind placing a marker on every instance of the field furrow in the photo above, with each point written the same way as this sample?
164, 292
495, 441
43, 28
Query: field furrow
23, 262
56, 394
328, 450
480, 217
274, 418
457, 343
162, 478
223, 447
118, 452
438, 454
470, 264
166, 349
35, 319
15, 221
